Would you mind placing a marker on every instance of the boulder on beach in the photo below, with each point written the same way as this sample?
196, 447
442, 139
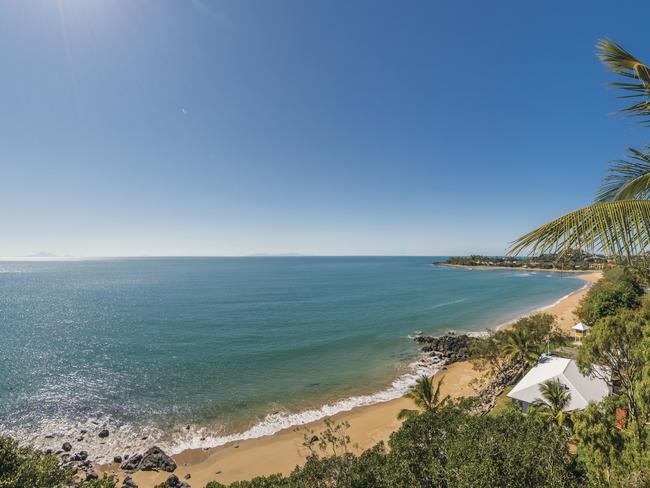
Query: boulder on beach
174, 482
129, 483
154, 459
103, 433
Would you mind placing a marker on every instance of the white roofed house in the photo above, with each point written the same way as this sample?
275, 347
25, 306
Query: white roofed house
583, 389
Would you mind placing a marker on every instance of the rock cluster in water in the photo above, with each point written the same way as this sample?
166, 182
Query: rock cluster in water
446, 349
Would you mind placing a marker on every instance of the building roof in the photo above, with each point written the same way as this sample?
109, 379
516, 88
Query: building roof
581, 327
583, 389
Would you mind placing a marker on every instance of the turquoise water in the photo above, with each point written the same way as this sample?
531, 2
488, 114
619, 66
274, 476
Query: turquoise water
146, 346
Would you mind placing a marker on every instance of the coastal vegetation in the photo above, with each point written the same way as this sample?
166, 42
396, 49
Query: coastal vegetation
618, 289
425, 396
570, 260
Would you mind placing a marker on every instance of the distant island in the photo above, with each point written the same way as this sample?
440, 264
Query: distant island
570, 261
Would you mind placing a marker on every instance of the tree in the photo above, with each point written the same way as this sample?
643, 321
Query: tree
618, 289
555, 398
607, 454
540, 328
613, 348
519, 348
23, 467
425, 396
618, 223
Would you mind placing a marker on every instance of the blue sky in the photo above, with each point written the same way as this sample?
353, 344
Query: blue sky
160, 127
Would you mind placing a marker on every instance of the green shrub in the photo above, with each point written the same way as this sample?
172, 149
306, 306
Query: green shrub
618, 289
23, 467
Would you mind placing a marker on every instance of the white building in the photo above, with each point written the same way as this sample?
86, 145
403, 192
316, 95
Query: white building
583, 389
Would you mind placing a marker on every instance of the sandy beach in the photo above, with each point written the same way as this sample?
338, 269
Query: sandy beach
282, 452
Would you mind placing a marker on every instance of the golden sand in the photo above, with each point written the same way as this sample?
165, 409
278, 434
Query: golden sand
282, 452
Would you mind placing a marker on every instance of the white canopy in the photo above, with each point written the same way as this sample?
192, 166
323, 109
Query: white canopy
581, 327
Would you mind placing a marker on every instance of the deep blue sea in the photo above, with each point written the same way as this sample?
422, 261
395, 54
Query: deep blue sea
232, 347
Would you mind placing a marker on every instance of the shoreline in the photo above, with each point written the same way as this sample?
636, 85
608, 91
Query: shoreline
281, 451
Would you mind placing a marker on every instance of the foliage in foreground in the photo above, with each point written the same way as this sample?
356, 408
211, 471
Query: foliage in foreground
445, 448
22, 467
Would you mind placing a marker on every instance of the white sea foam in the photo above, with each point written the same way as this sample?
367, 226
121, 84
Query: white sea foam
276, 422
129, 439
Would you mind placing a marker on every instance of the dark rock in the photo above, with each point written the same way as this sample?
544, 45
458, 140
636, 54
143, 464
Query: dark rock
187, 476
448, 348
117, 459
49, 451
83, 431
129, 483
83, 455
152, 460
312, 440
49, 436
174, 482
187, 427
103, 433
67, 447
79, 439
131, 464
91, 475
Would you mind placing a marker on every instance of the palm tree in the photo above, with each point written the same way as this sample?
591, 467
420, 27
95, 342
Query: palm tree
519, 348
425, 396
556, 398
618, 223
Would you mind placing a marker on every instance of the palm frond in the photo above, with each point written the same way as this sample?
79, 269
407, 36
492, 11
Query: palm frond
627, 179
619, 228
623, 63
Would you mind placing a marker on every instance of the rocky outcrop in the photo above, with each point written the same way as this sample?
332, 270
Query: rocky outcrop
154, 459
448, 348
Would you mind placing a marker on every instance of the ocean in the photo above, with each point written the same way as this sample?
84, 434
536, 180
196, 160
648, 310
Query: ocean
195, 352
